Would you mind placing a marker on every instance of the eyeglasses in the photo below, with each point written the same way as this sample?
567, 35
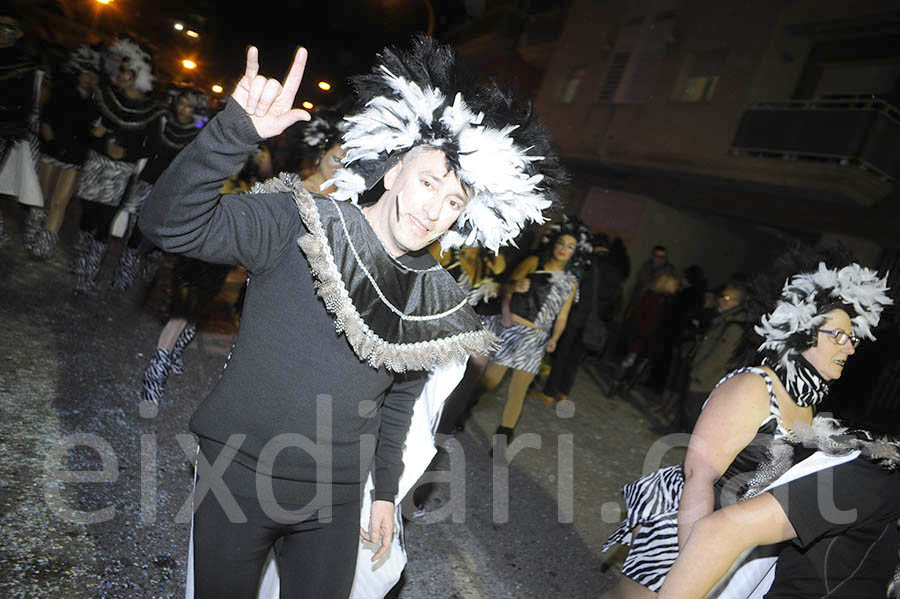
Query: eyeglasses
841, 338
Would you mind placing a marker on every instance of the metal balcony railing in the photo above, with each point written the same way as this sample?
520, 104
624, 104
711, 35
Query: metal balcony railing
854, 131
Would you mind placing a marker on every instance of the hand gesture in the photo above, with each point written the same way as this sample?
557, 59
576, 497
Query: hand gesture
381, 527
269, 104
522, 285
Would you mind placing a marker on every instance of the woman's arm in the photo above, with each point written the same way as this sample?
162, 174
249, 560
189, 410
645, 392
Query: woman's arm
727, 424
561, 319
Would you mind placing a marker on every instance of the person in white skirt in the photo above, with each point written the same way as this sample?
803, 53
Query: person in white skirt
65, 137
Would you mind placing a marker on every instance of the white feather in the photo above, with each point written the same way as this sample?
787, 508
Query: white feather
505, 196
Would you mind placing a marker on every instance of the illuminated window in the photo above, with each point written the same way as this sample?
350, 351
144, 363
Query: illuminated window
702, 73
568, 87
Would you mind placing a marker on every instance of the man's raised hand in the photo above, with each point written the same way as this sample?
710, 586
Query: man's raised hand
270, 104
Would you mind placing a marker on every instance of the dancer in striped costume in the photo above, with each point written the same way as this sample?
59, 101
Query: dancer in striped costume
175, 127
535, 308
807, 338
120, 138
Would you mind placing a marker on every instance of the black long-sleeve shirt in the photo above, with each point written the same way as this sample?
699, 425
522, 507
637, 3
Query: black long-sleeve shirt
287, 353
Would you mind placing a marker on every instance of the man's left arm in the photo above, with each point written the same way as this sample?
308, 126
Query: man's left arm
396, 414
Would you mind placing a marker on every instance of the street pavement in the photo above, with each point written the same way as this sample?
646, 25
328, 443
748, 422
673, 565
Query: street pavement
70, 372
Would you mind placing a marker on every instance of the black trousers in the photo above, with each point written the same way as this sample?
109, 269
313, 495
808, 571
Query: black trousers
316, 554
569, 355
96, 219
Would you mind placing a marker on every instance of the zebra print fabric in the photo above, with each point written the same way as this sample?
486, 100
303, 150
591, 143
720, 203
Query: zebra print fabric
652, 507
521, 347
806, 387
103, 180
562, 282
59, 163
137, 195
652, 504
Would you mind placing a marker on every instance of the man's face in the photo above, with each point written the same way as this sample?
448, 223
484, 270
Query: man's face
424, 200
126, 76
87, 80
659, 257
10, 31
184, 110
729, 298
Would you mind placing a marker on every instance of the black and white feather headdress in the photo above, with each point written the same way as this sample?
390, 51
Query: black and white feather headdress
139, 61
83, 58
492, 141
323, 130
806, 297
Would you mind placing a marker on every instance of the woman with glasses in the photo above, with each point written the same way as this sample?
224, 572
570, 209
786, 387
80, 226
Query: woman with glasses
811, 332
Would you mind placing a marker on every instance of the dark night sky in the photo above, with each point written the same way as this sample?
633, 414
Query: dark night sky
342, 37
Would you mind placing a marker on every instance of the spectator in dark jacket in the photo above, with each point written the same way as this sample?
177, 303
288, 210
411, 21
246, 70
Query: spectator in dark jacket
710, 361
644, 338
657, 264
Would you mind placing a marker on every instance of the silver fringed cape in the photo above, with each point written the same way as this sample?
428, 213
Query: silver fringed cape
392, 315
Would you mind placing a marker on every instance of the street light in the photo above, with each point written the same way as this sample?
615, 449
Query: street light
191, 33
188, 64
217, 89
307, 105
179, 27
324, 85
104, 1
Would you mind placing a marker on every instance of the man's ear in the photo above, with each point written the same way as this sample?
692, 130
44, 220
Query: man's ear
391, 175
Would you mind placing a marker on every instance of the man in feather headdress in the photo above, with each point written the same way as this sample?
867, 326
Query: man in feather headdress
458, 162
